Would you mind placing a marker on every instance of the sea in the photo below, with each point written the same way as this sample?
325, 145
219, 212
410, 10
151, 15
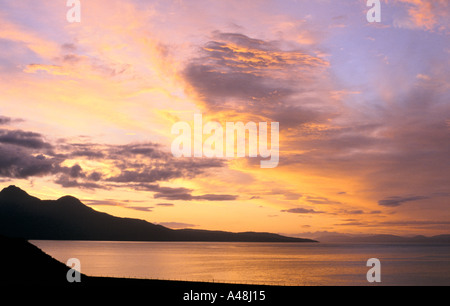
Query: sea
282, 264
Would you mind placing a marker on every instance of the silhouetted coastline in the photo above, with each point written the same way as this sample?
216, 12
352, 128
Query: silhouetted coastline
25, 216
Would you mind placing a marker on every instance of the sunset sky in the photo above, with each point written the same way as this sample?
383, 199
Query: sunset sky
86, 109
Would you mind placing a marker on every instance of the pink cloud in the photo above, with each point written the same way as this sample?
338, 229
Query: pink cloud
427, 15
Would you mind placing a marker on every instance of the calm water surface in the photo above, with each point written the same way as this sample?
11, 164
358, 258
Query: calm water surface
258, 263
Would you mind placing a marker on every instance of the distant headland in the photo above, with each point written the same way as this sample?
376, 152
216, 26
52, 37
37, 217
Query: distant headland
67, 218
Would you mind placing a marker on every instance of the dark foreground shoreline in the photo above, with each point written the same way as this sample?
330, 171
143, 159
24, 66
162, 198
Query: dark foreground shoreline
26, 266
28, 270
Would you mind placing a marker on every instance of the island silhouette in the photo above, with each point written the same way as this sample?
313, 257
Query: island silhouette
67, 218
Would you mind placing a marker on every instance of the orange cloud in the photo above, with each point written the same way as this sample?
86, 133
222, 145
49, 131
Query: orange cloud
428, 14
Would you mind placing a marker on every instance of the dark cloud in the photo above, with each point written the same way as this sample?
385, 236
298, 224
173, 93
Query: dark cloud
354, 212
19, 162
352, 223
321, 200
95, 176
148, 149
8, 120
140, 208
68, 182
148, 175
291, 116
87, 153
75, 176
400, 146
154, 164
5, 120
137, 164
249, 54
215, 197
375, 212
187, 196
165, 204
181, 193
292, 196
140, 166
164, 169
25, 139
109, 202
71, 59
212, 83
235, 72
76, 171
300, 210
69, 47
397, 201
338, 212
158, 188
174, 195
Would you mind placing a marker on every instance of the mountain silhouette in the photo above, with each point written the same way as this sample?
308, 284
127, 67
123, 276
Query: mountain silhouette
67, 218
